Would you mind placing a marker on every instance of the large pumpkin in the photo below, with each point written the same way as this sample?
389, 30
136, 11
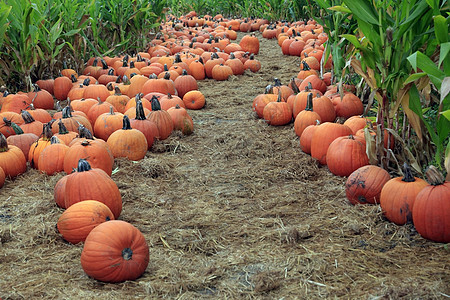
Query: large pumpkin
115, 251
398, 196
324, 135
346, 154
78, 220
431, 210
364, 185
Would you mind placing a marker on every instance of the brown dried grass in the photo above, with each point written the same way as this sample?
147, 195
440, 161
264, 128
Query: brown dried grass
235, 210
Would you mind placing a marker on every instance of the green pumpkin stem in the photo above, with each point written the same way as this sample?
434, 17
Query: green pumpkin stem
14, 126
309, 102
434, 177
155, 104
407, 174
126, 123
83, 165
27, 117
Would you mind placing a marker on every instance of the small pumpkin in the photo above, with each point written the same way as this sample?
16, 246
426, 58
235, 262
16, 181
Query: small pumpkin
181, 120
398, 196
77, 221
51, 159
431, 210
12, 159
306, 117
194, 100
161, 118
364, 185
128, 142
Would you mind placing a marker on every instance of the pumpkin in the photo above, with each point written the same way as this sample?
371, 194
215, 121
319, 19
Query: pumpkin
30, 125
324, 135
82, 105
398, 196
252, 64
98, 109
221, 72
61, 87
306, 137
357, 122
277, 113
41, 98
64, 135
250, 43
346, 154
51, 159
2, 177
185, 83
364, 185
161, 118
260, 102
306, 117
59, 191
169, 101
39, 114
431, 210
92, 184
107, 123
39, 145
194, 100
77, 221
6, 125
197, 69
128, 142
115, 251
118, 100
96, 152
21, 139
316, 83
15, 103
12, 159
181, 120
144, 125
350, 105
71, 121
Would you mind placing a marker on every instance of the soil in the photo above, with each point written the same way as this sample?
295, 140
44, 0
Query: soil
234, 211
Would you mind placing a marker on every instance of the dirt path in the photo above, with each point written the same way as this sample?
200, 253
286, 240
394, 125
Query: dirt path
235, 210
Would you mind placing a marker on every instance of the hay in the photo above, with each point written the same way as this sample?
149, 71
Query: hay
234, 211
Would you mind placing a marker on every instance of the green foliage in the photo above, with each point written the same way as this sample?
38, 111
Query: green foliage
37, 35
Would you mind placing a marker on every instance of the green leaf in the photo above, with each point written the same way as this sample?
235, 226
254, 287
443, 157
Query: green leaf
420, 60
445, 49
414, 77
341, 9
441, 29
352, 39
446, 114
363, 10
414, 101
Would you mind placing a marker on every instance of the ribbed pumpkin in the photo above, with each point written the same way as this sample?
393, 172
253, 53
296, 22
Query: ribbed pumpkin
398, 196
181, 120
349, 106
144, 125
107, 123
37, 147
346, 154
324, 135
92, 184
185, 83
252, 64
98, 109
64, 135
118, 100
12, 159
59, 191
77, 221
21, 139
41, 98
39, 114
306, 117
96, 152
128, 142
221, 72
61, 87
115, 251
431, 210
356, 123
162, 119
306, 137
169, 101
71, 121
30, 125
6, 120
51, 159
277, 113
364, 185
250, 43
83, 105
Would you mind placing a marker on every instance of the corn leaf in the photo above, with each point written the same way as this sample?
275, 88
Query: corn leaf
420, 60
363, 10
441, 29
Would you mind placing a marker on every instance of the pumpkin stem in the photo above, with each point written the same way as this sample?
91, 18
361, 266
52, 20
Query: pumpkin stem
277, 82
104, 64
54, 140
111, 72
184, 72
407, 176
140, 115
155, 104
14, 126
73, 78
83, 165
66, 112
279, 97
310, 85
434, 177
62, 127
47, 132
305, 66
84, 133
127, 253
27, 117
309, 102
167, 76
126, 123
268, 89
3, 143
294, 86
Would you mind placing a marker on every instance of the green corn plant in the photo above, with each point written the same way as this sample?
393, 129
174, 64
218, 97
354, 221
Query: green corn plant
438, 122
388, 33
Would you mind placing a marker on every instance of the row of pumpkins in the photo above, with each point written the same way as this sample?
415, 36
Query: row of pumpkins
315, 104
114, 110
